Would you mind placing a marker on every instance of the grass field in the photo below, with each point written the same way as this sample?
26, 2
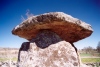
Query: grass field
89, 55
85, 55
90, 60
6, 59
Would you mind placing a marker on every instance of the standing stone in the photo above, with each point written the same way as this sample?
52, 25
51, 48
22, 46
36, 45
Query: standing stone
61, 54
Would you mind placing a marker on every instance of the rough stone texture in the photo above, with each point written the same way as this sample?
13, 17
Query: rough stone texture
8, 64
68, 28
51, 37
61, 54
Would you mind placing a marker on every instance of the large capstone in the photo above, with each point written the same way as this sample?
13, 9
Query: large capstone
68, 28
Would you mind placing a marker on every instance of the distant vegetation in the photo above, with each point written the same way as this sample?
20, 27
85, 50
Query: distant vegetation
89, 54
98, 47
8, 54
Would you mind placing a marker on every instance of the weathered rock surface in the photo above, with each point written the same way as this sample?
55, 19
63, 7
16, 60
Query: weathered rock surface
67, 27
8, 64
61, 54
51, 37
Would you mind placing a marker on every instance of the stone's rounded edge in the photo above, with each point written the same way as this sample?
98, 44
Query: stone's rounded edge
32, 25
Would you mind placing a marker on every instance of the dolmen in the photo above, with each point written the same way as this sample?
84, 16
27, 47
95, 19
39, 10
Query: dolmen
50, 40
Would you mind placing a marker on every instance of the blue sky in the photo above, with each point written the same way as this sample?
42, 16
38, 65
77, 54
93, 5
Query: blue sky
11, 11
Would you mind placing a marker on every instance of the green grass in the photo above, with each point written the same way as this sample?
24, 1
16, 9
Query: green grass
5, 59
14, 59
90, 60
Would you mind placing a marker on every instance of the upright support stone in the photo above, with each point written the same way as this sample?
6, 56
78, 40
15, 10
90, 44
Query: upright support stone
48, 50
61, 54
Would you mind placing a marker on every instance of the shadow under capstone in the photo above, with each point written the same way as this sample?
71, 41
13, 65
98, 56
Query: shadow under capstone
45, 38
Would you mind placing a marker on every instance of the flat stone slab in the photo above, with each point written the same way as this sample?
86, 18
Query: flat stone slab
68, 28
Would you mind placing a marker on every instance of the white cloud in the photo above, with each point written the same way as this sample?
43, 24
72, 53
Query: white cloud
28, 14
22, 18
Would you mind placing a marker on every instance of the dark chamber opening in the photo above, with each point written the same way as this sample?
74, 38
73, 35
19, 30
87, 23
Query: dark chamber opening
45, 38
